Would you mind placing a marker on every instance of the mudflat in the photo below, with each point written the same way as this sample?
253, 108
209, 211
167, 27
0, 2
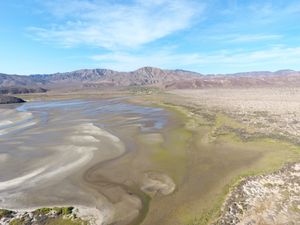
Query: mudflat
57, 152
151, 158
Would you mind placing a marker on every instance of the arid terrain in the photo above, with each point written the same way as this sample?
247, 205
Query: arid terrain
272, 111
265, 113
143, 77
148, 154
149, 112
265, 199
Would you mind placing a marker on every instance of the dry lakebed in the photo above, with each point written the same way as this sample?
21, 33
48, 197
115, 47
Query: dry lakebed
182, 157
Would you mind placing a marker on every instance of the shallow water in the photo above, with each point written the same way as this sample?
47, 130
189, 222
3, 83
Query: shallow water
46, 149
97, 153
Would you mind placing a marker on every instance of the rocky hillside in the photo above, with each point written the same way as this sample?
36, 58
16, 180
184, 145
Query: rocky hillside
146, 76
5, 99
21, 90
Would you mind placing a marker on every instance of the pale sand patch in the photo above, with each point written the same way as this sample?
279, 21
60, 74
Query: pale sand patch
56, 168
3, 157
157, 183
297, 167
16, 128
14, 116
19, 180
5, 123
90, 128
70, 156
14, 120
93, 215
83, 139
85, 154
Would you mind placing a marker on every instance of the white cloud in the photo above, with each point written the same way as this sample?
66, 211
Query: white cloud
125, 29
253, 37
115, 25
274, 58
244, 38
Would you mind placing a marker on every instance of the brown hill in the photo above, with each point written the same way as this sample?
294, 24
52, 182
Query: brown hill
146, 76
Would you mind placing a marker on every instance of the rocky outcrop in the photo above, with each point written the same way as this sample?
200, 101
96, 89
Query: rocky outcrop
266, 199
5, 99
56, 215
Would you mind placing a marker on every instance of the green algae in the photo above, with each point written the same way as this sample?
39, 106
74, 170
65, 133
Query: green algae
59, 216
222, 130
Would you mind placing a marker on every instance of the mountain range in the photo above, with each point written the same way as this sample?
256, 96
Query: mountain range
146, 76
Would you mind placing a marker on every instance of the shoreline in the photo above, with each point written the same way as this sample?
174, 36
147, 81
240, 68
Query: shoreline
221, 129
78, 214
230, 133
235, 140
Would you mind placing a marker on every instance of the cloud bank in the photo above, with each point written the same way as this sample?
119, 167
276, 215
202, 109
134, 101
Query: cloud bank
113, 24
212, 36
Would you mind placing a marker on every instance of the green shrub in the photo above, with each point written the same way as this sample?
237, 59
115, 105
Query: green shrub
42, 211
5, 213
67, 210
16, 222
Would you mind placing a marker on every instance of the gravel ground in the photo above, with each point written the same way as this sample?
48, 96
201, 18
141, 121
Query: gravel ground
272, 111
266, 199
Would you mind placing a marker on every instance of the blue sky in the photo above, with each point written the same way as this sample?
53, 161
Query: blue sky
213, 36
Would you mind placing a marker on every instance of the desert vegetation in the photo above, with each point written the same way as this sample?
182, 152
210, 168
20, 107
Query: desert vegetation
47, 216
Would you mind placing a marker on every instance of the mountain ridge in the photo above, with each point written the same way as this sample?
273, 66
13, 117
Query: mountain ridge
147, 76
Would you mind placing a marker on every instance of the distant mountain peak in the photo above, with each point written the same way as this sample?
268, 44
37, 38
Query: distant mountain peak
148, 69
147, 76
285, 72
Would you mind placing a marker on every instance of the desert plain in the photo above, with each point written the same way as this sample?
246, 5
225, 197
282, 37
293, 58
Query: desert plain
151, 156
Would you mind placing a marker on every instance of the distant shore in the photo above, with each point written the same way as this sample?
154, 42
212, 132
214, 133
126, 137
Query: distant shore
7, 99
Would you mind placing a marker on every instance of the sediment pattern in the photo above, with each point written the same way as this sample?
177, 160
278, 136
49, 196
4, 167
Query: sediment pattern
61, 148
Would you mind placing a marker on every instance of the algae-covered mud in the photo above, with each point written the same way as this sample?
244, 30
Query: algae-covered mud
221, 152
156, 160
